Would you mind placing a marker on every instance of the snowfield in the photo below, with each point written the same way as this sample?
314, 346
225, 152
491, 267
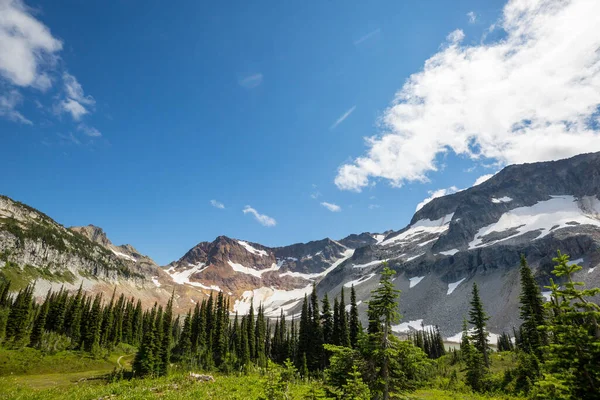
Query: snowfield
415, 281
360, 280
504, 199
155, 281
345, 255
555, 213
369, 264
449, 252
123, 255
273, 300
438, 226
252, 250
251, 271
453, 286
493, 338
415, 325
183, 277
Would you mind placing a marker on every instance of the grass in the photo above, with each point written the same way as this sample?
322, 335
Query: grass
28, 374
20, 277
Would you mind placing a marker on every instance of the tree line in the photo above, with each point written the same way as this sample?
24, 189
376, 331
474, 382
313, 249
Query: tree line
557, 345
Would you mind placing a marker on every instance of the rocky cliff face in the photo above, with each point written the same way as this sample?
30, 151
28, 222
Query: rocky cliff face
475, 235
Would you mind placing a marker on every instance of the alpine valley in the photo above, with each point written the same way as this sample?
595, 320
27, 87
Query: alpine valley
474, 235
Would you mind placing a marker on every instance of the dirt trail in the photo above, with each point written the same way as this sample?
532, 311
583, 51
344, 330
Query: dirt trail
119, 362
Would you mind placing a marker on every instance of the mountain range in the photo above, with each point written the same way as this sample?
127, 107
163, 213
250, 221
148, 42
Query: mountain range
474, 235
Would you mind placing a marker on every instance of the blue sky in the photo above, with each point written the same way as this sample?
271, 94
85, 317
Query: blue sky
134, 115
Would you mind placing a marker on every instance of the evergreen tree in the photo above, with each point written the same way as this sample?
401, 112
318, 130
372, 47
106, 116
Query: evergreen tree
478, 318
336, 332
532, 312
343, 316
145, 360
166, 338
19, 317
327, 320
40, 323
573, 355
383, 309
355, 327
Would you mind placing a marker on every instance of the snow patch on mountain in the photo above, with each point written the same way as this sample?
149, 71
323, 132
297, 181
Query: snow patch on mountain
123, 255
183, 277
360, 280
504, 199
493, 338
251, 249
155, 281
345, 255
273, 300
452, 286
415, 281
415, 325
251, 271
379, 238
369, 264
437, 226
449, 252
544, 216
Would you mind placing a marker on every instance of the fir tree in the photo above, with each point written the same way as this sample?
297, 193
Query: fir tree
355, 327
343, 316
383, 309
573, 355
478, 318
532, 312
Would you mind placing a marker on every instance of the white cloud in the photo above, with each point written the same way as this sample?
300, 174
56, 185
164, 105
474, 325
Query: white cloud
343, 117
89, 130
315, 195
76, 101
251, 81
331, 207
74, 108
261, 218
472, 17
26, 46
368, 36
527, 97
217, 204
482, 179
8, 102
374, 206
434, 194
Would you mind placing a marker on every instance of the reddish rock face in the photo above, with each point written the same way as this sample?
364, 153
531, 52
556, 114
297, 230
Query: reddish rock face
236, 266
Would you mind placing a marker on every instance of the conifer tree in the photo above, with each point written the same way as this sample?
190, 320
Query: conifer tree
144, 363
478, 318
183, 350
344, 328
18, 323
40, 323
336, 332
532, 312
166, 338
355, 327
573, 355
327, 320
383, 309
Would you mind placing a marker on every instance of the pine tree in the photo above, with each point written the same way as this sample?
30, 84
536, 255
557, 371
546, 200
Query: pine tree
327, 320
166, 338
355, 327
532, 313
40, 323
573, 355
383, 309
478, 318
344, 328
183, 350
336, 331
19, 316
144, 363
355, 388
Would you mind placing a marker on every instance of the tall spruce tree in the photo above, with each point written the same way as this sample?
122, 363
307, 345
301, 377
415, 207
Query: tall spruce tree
383, 309
532, 313
355, 327
478, 318
573, 355
344, 327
